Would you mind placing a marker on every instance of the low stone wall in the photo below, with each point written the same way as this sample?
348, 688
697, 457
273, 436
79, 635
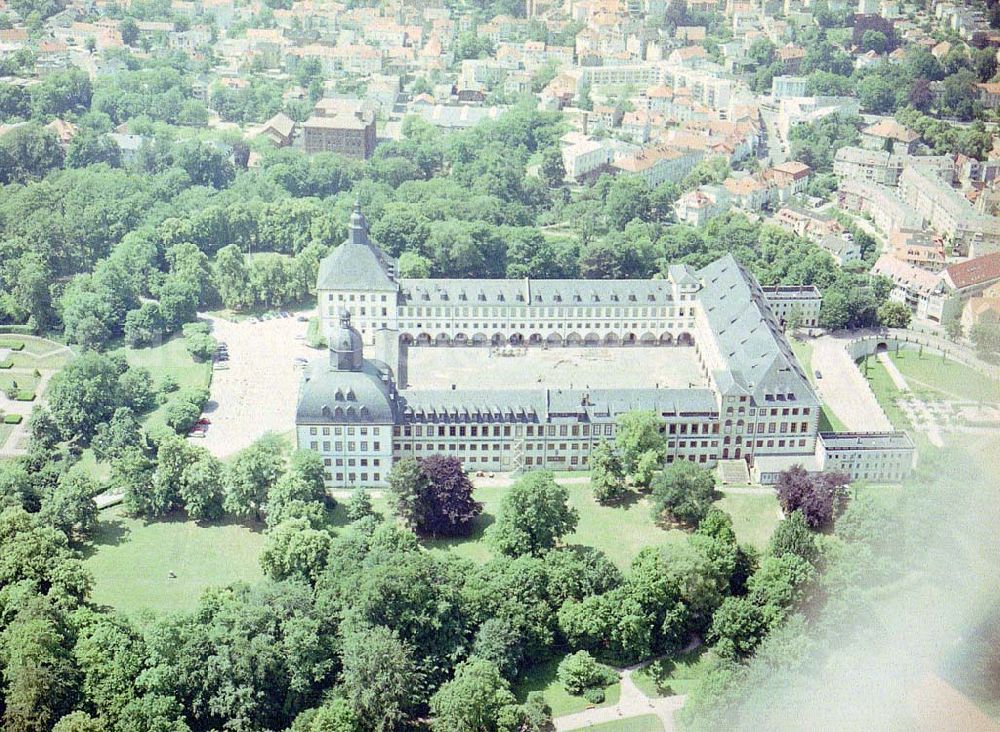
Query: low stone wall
868, 345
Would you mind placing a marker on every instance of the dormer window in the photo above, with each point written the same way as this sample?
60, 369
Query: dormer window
631, 298
351, 396
577, 298
339, 395
482, 297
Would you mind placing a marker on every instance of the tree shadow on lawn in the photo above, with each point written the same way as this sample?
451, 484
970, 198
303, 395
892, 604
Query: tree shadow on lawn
110, 532
667, 522
671, 675
631, 497
476, 534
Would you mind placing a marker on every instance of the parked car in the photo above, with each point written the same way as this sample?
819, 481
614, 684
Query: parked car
819, 375
204, 421
302, 319
254, 319
196, 432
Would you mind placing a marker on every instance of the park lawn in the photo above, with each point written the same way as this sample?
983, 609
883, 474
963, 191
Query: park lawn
88, 465
131, 561
930, 373
803, 351
619, 531
24, 381
5, 431
26, 360
755, 516
885, 495
670, 676
886, 393
830, 422
642, 723
544, 678
169, 359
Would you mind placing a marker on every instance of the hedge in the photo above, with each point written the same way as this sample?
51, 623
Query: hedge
6, 364
25, 395
12, 419
12, 345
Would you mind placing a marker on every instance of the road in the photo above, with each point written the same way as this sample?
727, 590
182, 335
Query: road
777, 149
844, 388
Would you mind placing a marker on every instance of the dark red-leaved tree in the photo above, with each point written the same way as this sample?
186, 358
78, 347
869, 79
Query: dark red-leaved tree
446, 504
819, 496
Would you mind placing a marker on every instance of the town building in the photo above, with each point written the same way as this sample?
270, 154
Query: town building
360, 415
948, 212
982, 308
799, 302
873, 457
888, 135
920, 290
345, 127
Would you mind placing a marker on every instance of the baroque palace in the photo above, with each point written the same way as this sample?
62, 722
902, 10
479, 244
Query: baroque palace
356, 410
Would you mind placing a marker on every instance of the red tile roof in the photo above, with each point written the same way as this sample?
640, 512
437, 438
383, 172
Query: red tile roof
975, 271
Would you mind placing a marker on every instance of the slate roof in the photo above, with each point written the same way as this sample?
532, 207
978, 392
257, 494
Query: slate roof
760, 363
548, 405
329, 396
357, 264
535, 292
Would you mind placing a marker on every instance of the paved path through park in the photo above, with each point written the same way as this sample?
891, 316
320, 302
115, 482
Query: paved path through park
631, 703
894, 373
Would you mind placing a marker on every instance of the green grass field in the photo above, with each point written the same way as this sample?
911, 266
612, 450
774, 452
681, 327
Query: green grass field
886, 393
930, 375
169, 359
543, 678
642, 723
619, 531
755, 516
131, 561
24, 381
28, 360
803, 352
669, 676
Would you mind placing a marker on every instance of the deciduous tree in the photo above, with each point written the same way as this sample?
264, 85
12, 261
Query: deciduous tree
534, 515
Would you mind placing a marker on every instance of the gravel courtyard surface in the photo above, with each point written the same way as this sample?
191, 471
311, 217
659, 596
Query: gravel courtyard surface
258, 392
468, 367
